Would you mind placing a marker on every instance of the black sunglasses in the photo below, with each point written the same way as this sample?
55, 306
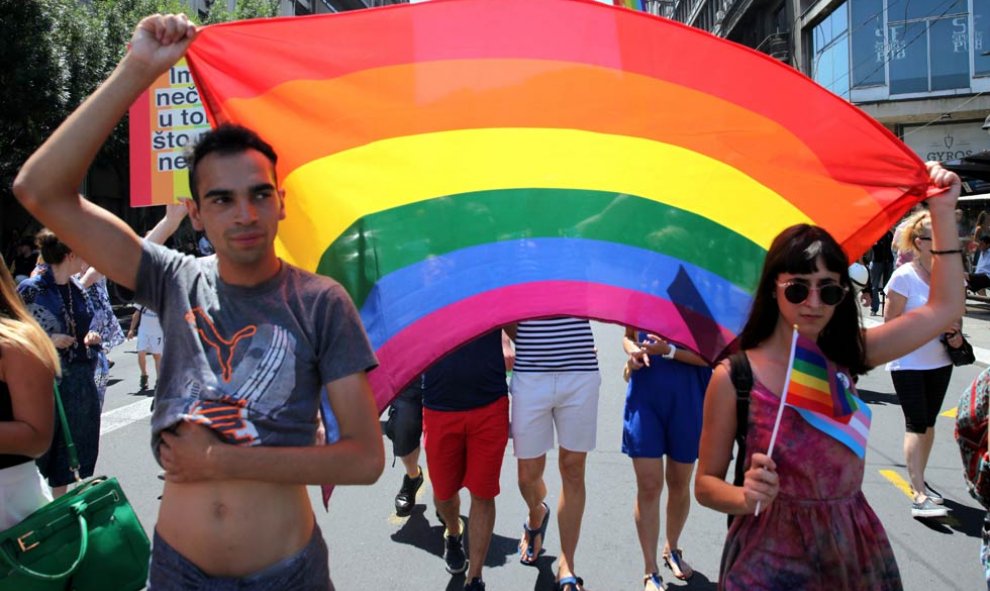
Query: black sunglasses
830, 294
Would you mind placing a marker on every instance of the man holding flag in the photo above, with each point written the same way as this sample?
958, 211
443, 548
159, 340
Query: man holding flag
251, 345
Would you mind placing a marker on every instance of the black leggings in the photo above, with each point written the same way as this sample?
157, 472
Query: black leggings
921, 392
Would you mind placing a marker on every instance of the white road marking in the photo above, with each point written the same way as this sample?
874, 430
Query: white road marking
123, 416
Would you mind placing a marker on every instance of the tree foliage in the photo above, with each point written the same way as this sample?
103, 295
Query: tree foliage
243, 10
55, 54
53, 58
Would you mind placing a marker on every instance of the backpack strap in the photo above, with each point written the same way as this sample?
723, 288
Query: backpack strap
741, 374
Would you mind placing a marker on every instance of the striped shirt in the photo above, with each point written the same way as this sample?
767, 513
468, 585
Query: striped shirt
555, 344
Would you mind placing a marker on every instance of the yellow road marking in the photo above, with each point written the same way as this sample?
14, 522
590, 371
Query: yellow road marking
901, 484
951, 413
905, 488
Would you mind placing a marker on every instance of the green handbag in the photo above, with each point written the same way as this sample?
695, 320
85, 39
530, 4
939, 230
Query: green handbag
87, 539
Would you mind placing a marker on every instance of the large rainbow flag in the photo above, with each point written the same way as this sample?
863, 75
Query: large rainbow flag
461, 164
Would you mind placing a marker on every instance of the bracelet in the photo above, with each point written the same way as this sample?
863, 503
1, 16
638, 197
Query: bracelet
670, 354
951, 251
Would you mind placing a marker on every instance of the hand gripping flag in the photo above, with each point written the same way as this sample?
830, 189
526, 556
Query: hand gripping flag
458, 165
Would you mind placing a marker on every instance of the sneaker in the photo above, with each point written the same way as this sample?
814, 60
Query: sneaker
927, 508
476, 584
934, 495
406, 499
453, 552
143, 384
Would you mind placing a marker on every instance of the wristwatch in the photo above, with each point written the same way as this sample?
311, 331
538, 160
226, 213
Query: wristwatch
670, 354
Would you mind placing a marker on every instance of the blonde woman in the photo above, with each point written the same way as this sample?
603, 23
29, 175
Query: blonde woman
922, 376
28, 366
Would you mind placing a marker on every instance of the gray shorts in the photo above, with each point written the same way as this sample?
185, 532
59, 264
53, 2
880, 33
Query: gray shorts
306, 570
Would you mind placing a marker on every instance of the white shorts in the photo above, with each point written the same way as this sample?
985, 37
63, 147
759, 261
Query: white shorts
150, 336
22, 491
540, 401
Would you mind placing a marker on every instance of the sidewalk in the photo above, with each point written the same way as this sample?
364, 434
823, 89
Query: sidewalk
976, 327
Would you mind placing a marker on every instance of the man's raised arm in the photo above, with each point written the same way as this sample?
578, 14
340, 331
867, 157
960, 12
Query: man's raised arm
47, 183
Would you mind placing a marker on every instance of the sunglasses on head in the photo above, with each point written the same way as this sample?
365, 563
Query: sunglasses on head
830, 294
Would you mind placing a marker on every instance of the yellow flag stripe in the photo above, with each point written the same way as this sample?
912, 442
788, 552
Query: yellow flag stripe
326, 196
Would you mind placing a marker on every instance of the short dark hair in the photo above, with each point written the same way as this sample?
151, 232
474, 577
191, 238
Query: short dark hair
53, 250
226, 139
796, 250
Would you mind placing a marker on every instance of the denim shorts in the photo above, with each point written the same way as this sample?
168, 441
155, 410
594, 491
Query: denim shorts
306, 570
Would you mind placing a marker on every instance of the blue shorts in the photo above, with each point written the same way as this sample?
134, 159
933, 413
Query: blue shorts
306, 570
663, 410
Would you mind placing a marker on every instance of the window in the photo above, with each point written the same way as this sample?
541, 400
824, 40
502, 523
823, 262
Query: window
928, 45
830, 52
981, 36
868, 55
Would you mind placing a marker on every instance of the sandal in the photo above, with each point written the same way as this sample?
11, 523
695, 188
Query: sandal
570, 583
527, 546
674, 559
654, 582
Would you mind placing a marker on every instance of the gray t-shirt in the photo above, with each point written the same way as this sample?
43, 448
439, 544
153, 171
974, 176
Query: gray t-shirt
249, 362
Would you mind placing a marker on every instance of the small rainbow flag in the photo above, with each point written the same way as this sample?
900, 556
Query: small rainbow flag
853, 434
824, 400
815, 385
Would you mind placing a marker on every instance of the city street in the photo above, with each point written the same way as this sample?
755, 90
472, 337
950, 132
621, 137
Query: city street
370, 548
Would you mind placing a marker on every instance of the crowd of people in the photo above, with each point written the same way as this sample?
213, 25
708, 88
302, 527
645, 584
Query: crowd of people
246, 346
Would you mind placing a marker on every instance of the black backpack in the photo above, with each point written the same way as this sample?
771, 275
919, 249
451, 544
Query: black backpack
741, 375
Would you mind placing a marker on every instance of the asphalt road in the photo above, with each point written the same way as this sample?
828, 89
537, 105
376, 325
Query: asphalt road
370, 548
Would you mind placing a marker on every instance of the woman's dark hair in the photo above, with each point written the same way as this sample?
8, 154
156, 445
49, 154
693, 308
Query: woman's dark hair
795, 251
52, 249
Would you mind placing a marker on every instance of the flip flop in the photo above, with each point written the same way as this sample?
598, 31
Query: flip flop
528, 554
654, 582
674, 559
570, 583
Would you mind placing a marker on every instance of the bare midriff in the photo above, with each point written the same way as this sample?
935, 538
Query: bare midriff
233, 528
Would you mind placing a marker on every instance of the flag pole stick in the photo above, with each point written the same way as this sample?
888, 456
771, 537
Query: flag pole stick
783, 402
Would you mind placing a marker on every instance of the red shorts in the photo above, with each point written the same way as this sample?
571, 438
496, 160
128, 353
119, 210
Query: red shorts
465, 448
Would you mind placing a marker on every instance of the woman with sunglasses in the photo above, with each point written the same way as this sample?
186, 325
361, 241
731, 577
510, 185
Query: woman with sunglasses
921, 377
28, 366
815, 529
